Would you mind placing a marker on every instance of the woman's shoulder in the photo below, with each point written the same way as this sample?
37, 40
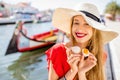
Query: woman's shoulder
55, 49
57, 46
60, 46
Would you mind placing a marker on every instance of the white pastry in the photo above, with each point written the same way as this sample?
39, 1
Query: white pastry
76, 49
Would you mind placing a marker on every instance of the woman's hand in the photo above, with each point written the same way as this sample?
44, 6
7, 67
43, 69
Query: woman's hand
73, 60
86, 64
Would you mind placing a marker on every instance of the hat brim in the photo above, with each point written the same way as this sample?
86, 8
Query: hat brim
62, 19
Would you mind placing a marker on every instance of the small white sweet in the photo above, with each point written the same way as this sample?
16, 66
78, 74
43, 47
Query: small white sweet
76, 49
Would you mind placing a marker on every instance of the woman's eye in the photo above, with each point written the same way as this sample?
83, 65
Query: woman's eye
86, 24
76, 23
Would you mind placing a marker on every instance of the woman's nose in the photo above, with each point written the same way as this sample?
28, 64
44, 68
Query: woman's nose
81, 26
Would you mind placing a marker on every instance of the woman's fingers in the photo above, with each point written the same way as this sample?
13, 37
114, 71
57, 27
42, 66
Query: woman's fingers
68, 51
92, 57
73, 55
92, 63
74, 58
77, 61
82, 57
91, 60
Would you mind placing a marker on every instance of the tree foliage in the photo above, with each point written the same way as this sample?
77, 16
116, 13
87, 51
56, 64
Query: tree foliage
113, 8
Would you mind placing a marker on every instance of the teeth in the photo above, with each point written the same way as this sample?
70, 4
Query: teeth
80, 34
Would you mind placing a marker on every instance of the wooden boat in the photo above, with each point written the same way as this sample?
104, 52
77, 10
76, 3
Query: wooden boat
25, 43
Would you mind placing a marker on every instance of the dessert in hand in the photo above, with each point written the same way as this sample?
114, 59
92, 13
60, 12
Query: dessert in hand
76, 49
85, 52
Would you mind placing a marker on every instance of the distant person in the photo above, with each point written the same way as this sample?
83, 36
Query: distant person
85, 30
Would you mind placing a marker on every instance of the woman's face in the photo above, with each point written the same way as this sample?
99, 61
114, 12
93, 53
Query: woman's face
81, 30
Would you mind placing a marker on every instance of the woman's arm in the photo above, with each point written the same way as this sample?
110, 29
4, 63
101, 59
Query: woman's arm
53, 76
85, 65
70, 75
82, 76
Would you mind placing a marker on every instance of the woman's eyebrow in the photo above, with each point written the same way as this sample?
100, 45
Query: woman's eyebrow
85, 21
76, 20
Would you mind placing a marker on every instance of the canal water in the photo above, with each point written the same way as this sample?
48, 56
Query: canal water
30, 65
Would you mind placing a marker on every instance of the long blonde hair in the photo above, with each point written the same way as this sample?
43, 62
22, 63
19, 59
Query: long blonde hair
95, 46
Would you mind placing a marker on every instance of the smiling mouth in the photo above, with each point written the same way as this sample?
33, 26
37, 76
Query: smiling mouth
80, 35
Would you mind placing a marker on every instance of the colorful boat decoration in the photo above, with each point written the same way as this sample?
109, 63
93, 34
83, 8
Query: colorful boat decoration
25, 43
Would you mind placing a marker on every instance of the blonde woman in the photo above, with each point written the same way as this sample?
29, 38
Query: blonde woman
86, 31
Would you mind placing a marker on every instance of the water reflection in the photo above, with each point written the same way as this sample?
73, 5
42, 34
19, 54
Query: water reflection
29, 66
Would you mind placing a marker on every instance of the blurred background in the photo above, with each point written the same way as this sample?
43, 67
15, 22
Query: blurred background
26, 32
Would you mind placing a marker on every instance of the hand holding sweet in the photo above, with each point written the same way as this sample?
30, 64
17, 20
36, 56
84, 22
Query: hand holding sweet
86, 64
73, 59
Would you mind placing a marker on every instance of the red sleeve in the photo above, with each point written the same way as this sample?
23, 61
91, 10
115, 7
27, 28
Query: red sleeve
57, 54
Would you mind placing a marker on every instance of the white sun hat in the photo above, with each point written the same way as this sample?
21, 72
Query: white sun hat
62, 19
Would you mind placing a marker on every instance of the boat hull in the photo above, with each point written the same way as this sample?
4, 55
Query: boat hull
24, 44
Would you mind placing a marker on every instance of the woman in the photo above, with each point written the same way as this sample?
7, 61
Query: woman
86, 31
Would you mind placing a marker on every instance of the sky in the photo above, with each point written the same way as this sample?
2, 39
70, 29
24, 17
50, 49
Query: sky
51, 4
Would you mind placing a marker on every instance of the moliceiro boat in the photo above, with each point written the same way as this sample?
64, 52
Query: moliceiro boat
25, 43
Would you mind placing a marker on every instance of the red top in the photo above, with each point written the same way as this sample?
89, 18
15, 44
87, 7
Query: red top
57, 54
